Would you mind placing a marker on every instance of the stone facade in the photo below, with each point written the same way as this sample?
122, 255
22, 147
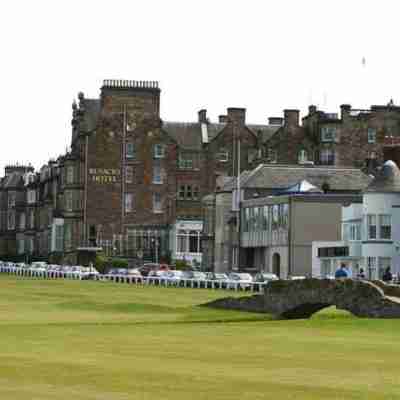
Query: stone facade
128, 182
360, 138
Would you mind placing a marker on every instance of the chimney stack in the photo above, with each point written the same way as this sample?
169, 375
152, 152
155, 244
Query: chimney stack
291, 117
222, 119
345, 111
312, 109
203, 116
237, 115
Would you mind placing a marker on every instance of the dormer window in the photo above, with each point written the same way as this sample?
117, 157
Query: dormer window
328, 134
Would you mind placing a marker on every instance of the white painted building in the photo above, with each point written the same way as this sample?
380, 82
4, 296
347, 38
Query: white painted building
185, 241
370, 231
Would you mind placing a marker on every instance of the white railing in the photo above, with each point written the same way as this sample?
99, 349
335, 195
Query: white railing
135, 280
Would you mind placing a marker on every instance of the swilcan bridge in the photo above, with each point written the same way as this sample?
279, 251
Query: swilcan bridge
302, 298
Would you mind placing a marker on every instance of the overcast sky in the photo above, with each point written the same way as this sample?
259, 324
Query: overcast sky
262, 55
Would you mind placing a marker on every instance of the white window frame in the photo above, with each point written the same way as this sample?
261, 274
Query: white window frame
10, 220
159, 150
387, 219
11, 199
327, 156
185, 163
31, 196
371, 268
371, 221
371, 135
70, 174
129, 174
328, 134
21, 246
302, 156
129, 203
157, 203
59, 242
158, 175
22, 221
130, 152
69, 200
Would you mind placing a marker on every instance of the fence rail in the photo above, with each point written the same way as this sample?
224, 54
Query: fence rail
136, 280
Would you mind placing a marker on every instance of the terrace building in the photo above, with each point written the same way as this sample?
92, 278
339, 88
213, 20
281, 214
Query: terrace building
358, 138
130, 184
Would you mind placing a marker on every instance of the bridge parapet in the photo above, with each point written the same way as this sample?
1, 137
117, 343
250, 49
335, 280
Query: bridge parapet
301, 298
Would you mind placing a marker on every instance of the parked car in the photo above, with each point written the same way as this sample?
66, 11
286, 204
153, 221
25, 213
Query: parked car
265, 277
220, 279
296, 277
239, 280
174, 276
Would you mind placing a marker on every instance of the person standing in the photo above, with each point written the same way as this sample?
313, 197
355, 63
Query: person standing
361, 274
387, 276
341, 272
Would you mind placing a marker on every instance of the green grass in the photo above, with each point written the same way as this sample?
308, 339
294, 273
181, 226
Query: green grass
96, 340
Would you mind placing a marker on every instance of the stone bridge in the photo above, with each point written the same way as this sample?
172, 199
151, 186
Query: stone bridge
302, 298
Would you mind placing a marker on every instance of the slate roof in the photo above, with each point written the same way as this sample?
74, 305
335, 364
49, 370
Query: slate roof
266, 131
279, 177
13, 180
189, 136
186, 134
387, 180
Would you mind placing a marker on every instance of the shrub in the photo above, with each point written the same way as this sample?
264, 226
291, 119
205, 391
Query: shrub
182, 265
101, 263
118, 263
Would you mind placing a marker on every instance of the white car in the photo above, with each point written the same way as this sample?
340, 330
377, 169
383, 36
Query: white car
239, 280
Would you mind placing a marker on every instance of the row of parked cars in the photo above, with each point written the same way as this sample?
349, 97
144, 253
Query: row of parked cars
40, 268
152, 273
180, 278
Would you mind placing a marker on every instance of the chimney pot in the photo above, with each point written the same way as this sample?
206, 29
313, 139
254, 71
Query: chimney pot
203, 116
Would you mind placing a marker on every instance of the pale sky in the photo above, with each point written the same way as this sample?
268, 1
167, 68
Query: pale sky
263, 55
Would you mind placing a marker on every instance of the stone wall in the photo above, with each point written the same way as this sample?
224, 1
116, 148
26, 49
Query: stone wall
302, 298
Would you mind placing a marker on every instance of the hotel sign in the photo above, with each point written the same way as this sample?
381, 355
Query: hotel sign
104, 175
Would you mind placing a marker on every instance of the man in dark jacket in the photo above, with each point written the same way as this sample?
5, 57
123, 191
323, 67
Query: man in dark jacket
387, 276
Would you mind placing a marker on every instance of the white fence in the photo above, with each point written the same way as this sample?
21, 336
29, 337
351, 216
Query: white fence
135, 280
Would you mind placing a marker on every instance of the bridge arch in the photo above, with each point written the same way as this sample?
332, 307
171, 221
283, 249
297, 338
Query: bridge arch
300, 299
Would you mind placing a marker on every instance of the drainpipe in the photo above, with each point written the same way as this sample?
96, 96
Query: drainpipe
85, 191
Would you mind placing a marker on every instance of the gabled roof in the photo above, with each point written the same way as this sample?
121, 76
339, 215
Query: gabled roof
265, 131
13, 180
387, 180
279, 177
188, 135
191, 135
